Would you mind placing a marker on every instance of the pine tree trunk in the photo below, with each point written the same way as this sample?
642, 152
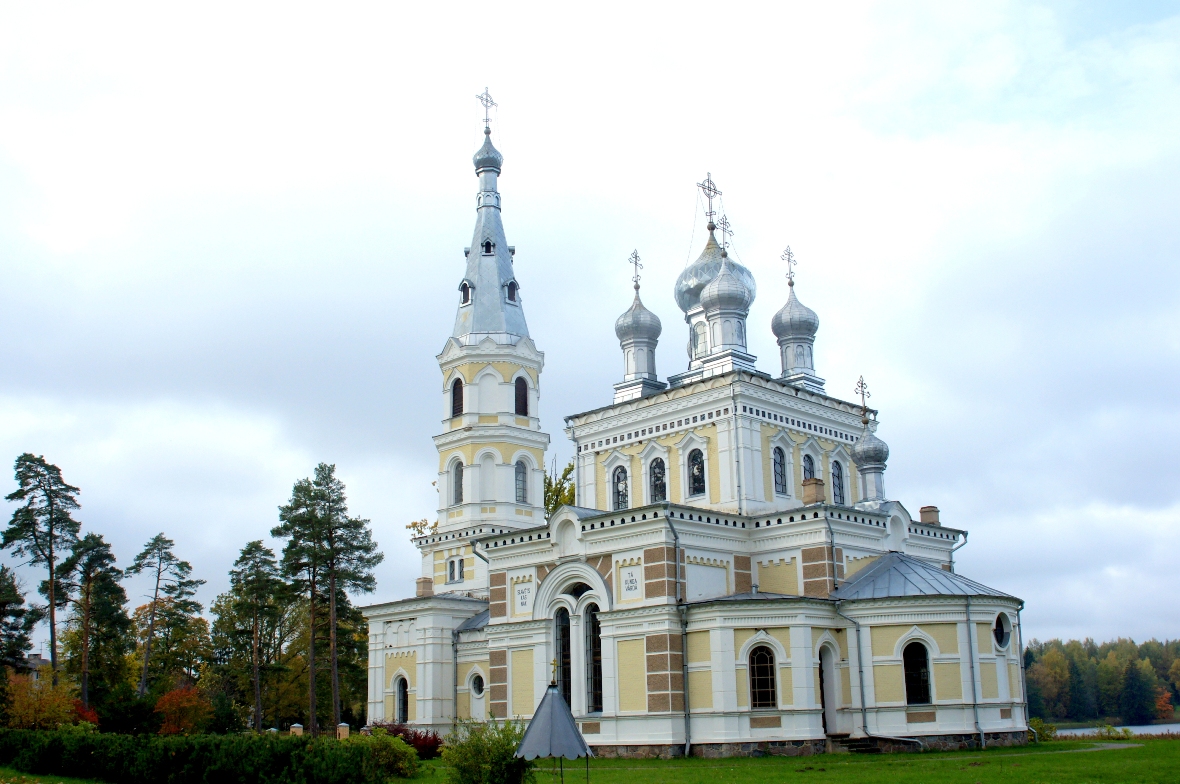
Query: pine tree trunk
52, 598
147, 646
311, 662
332, 648
257, 679
87, 614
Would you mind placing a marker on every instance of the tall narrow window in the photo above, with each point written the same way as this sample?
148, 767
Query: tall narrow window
403, 701
451, 571
808, 467
762, 683
522, 397
464, 294
780, 471
457, 398
916, 660
620, 488
696, 472
512, 291
487, 247
700, 343
457, 483
593, 660
659, 486
837, 483
562, 635
522, 483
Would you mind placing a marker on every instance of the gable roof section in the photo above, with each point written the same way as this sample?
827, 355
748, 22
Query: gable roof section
896, 575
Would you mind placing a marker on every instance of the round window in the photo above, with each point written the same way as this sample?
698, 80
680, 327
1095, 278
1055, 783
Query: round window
1002, 631
477, 685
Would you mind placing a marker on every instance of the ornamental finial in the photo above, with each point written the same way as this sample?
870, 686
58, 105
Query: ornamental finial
862, 389
488, 103
633, 260
710, 190
726, 233
789, 257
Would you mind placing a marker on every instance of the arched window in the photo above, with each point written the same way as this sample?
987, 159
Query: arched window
562, 635
477, 686
780, 471
512, 291
457, 483
593, 660
917, 674
464, 293
696, 472
808, 467
522, 483
457, 398
656, 476
522, 397
700, 343
403, 701
763, 693
837, 483
620, 488
487, 247
1002, 631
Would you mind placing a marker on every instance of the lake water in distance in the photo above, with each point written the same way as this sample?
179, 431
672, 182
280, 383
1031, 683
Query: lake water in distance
1149, 729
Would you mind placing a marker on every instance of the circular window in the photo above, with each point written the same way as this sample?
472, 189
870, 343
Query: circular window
1002, 631
477, 685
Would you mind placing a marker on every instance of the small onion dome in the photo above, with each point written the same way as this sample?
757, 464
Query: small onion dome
697, 275
726, 292
488, 156
795, 320
869, 450
638, 322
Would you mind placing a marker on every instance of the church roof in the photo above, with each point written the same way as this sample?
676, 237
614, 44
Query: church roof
475, 622
896, 575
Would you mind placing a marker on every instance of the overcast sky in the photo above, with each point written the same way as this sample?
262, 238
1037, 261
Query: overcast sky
230, 240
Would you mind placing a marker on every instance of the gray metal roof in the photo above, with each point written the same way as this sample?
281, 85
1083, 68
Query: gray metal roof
552, 732
896, 575
477, 621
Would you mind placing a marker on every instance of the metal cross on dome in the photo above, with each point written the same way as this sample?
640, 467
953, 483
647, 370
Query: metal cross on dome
862, 389
488, 103
789, 257
726, 231
633, 260
710, 190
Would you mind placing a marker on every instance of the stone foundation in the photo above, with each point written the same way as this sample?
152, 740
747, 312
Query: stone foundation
956, 742
805, 748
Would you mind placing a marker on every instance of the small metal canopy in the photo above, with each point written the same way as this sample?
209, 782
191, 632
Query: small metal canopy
552, 732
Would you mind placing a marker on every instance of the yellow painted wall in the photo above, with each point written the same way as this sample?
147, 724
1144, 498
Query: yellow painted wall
390, 707
506, 370
1014, 680
854, 565
743, 687
841, 639
786, 687
988, 680
782, 576
700, 689
522, 682
767, 461
888, 683
714, 488
406, 660
948, 681
699, 649
506, 450
783, 635
946, 636
983, 637
739, 639
632, 675
463, 704
845, 687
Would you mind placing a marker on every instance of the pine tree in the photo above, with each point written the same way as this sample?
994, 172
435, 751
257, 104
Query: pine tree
350, 555
43, 529
1138, 698
98, 599
16, 625
303, 564
255, 581
171, 578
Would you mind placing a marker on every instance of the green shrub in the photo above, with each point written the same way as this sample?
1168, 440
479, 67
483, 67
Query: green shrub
1107, 732
390, 754
205, 759
485, 753
1044, 731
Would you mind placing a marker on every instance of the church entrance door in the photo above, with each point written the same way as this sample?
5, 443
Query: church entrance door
827, 688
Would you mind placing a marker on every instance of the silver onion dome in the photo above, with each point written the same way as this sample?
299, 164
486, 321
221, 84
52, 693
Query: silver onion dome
795, 319
488, 157
697, 275
726, 291
638, 322
869, 450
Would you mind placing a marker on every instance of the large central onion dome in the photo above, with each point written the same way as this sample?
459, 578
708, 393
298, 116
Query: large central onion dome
638, 323
488, 157
726, 291
794, 320
697, 275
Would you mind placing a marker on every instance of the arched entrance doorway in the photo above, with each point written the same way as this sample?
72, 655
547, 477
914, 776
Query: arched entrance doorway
828, 688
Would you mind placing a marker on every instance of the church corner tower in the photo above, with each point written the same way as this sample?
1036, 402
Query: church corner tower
491, 449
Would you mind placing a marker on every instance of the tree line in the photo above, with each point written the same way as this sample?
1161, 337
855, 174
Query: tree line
1119, 680
285, 645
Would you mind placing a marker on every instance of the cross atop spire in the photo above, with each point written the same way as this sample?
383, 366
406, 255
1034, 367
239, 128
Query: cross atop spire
488, 103
789, 257
862, 389
634, 261
710, 190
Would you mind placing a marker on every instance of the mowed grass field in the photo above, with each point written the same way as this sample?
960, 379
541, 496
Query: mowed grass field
1139, 761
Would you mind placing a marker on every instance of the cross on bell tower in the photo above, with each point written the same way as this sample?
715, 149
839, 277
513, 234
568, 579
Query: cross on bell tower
789, 257
633, 260
488, 103
862, 389
710, 190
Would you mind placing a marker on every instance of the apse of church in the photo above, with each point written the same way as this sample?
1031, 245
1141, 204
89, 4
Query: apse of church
732, 572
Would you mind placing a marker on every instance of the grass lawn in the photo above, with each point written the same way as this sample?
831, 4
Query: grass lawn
10, 776
1069, 762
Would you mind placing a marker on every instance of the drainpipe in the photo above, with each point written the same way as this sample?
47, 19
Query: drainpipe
860, 671
971, 653
956, 547
737, 446
454, 679
1023, 685
682, 610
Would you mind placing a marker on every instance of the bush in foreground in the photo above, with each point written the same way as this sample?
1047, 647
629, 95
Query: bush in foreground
485, 753
426, 742
208, 759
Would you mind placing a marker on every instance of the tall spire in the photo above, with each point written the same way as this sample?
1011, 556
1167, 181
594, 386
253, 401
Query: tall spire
489, 295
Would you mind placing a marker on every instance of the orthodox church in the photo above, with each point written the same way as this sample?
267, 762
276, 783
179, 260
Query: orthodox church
733, 576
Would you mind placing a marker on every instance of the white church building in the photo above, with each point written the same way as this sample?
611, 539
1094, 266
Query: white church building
733, 577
